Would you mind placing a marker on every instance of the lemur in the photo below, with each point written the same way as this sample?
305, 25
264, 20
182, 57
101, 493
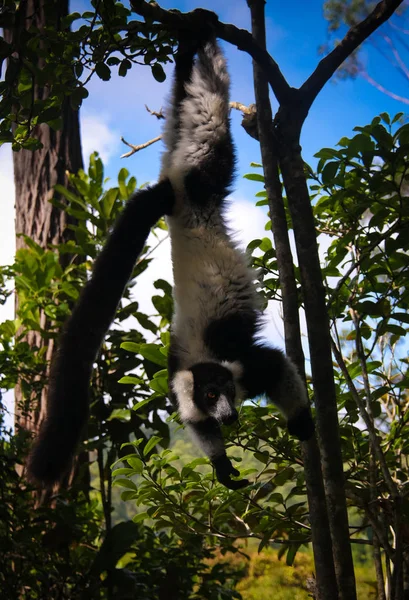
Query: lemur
215, 357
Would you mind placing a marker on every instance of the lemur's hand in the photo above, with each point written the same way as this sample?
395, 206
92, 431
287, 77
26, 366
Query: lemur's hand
224, 471
302, 425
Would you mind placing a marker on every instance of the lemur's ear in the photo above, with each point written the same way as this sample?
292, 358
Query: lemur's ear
236, 368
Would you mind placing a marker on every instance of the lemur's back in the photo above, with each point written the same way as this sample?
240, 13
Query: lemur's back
211, 282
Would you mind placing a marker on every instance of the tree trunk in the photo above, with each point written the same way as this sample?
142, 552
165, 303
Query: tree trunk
326, 584
292, 168
35, 175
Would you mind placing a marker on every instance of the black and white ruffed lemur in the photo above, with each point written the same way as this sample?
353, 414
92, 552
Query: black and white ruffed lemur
215, 358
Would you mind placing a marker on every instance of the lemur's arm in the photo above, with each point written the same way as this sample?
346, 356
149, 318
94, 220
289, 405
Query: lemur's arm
82, 336
267, 371
209, 437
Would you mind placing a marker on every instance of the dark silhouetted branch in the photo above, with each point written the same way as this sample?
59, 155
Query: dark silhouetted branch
240, 38
354, 38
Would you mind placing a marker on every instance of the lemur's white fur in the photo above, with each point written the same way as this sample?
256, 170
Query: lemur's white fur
203, 117
182, 385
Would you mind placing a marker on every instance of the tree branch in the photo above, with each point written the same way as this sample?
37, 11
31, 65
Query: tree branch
240, 38
321, 538
354, 37
383, 89
135, 149
390, 484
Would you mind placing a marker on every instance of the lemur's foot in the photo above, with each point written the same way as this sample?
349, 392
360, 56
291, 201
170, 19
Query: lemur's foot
302, 425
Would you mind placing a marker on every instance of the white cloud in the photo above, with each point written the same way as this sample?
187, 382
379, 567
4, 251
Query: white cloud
7, 250
7, 231
7, 238
97, 135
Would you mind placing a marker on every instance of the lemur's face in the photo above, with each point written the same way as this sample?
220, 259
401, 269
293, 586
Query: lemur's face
207, 390
214, 392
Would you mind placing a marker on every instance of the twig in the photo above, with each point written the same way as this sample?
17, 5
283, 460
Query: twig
139, 147
391, 485
382, 89
246, 110
154, 113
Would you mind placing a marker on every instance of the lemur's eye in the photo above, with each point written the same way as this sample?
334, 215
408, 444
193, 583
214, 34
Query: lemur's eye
211, 395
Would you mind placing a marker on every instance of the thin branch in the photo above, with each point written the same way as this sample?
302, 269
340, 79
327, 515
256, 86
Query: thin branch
135, 149
399, 61
246, 110
401, 29
391, 485
364, 255
240, 38
159, 115
375, 524
382, 89
353, 38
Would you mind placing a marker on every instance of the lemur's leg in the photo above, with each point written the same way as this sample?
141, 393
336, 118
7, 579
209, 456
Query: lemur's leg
208, 435
202, 162
184, 59
268, 371
67, 409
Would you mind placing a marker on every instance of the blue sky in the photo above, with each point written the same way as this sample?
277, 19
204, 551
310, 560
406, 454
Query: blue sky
295, 30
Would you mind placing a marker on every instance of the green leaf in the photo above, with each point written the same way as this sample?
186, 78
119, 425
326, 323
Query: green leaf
329, 172
142, 516
108, 202
160, 385
142, 403
122, 471
124, 67
131, 379
130, 346
151, 444
284, 476
153, 353
158, 72
135, 463
292, 551
103, 71
126, 483
254, 177
386, 118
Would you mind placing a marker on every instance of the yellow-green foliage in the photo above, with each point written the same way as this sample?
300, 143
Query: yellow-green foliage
266, 577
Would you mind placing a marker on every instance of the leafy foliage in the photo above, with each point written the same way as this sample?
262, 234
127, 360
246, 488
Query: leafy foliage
59, 57
76, 547
179, 510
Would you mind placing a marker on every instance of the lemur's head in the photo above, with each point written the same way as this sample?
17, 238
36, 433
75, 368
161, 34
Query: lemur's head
208, 389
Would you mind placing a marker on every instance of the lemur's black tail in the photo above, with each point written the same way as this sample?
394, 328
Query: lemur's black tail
60, 433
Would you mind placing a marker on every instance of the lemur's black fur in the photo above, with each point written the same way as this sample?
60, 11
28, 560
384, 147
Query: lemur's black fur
214, 358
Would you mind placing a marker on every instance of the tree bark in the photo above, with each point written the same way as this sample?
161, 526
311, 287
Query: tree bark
326, 584
35, 175
292, 168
